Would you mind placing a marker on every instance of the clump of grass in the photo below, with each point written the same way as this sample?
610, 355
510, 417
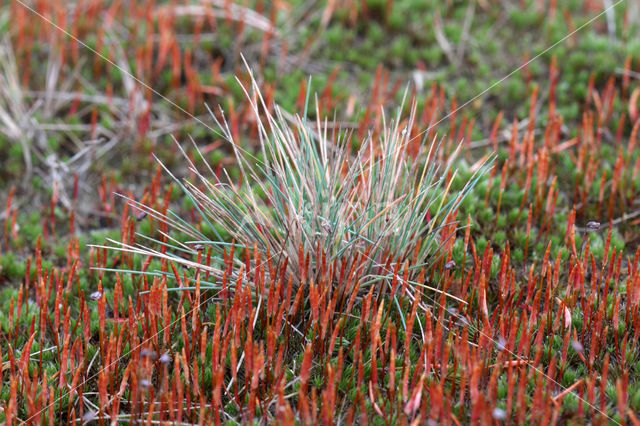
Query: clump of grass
311, 194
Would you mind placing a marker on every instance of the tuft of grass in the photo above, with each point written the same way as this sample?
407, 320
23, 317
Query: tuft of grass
389, 204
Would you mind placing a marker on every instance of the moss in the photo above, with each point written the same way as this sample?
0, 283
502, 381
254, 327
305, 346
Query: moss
635, 398
512, 197
458, 251
617, 241
495, 265
482, 187
481, 244
512, 217
335, 36
516, 90
431, 55
375, 33
570, 377
128, 286
596, 245
453, 32
15, 152
399, 47
469, 204
60, 251
396, 21
524, 18
577, 321
12, 269
31, 231
500, 239
517, 255
611, 391
503, 388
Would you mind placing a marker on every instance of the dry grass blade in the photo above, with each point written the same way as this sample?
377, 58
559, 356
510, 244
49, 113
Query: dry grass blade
13, 109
